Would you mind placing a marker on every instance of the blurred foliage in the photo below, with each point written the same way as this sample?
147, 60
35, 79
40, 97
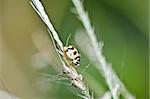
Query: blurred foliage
121, 24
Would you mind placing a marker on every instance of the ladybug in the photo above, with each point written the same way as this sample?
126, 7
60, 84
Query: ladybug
72, 55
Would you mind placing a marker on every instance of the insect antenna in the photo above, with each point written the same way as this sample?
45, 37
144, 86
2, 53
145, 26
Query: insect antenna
68, 38
85, 68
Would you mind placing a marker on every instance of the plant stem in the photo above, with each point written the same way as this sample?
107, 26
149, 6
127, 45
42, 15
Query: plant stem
115, 85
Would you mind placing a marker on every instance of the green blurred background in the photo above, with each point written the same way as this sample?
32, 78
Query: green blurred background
121, 24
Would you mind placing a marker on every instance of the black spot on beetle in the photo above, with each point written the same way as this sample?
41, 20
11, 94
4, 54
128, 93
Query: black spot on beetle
77, 57
74, 52
72, 48
66, 50
76, 63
